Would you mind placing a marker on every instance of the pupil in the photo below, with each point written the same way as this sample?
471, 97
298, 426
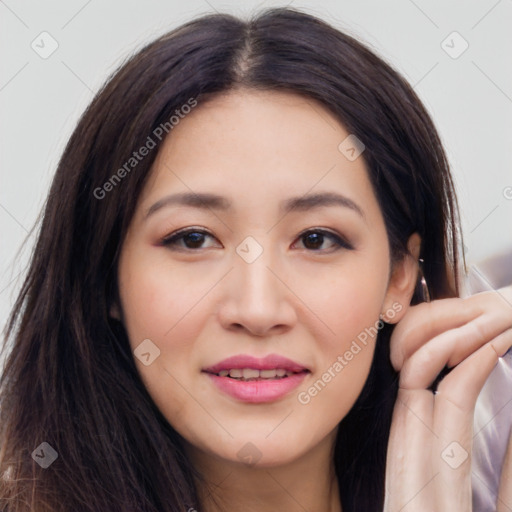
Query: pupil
194, 239
314, 240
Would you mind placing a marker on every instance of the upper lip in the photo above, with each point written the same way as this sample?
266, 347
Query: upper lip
269, 362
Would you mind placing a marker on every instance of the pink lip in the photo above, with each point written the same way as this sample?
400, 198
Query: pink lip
257, 391
270, 362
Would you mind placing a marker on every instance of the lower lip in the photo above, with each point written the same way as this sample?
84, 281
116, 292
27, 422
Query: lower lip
258, 391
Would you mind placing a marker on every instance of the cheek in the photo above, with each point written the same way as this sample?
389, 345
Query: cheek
344, 365
157, 302
346, 300
168, 308
349, 309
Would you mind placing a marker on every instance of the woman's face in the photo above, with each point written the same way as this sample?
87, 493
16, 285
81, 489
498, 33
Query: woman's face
281, 267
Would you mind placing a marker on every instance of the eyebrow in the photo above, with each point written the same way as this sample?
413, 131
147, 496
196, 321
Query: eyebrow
220, 203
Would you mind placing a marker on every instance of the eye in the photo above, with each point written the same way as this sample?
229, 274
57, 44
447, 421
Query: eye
315, 240
190, 238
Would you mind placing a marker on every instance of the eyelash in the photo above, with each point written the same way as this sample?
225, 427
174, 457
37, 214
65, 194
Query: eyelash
171, 241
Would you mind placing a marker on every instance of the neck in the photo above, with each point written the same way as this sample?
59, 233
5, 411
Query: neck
306, 483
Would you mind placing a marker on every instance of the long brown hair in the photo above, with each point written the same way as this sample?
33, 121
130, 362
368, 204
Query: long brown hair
70, 378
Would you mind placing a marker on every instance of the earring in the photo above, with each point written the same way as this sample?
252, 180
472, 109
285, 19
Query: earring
423, 281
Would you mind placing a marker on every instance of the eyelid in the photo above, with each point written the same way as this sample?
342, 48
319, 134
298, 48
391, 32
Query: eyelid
339, 240
168, 239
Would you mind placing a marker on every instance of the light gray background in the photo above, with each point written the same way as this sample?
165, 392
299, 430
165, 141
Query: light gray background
470, 97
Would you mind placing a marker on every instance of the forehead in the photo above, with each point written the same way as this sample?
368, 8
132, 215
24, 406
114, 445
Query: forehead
257, 125
255, 146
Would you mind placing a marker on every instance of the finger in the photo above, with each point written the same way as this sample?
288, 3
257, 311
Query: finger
452, 347
425, 321
428, 320
472, 336
464, 383
453, 424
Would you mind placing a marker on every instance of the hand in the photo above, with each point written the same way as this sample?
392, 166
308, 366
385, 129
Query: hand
429, 452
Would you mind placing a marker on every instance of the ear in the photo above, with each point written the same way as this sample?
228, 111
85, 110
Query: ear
402, 283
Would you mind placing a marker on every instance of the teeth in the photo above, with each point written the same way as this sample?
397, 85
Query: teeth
249, 373
252, 373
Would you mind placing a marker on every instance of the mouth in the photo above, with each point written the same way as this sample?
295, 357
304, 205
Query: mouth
254, 380
253, 374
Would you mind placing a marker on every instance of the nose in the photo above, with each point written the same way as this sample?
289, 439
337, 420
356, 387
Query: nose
257, 298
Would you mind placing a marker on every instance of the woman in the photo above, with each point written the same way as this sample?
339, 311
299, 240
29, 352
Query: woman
233, 233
